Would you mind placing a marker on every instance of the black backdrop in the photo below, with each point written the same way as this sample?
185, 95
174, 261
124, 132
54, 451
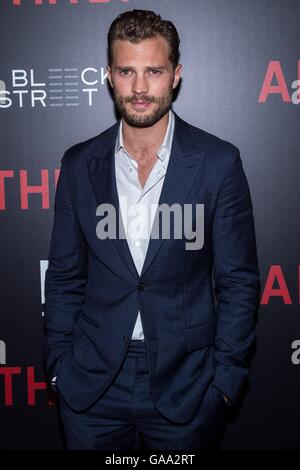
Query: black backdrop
241, 60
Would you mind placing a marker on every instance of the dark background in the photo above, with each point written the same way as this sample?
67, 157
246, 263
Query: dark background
227, 46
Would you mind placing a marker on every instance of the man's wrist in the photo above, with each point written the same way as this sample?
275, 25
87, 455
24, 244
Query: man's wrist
226, 399
53, 382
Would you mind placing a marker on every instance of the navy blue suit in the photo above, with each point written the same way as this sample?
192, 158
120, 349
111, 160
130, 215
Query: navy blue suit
197, 306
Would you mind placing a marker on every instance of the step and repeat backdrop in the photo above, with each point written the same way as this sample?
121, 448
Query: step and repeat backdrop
241, 72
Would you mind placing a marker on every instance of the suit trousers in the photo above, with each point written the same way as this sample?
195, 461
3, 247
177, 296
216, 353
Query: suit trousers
125, 417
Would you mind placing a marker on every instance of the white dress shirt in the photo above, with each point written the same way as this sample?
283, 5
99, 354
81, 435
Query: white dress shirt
137, 203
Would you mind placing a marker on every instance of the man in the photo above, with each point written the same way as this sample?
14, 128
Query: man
147, 338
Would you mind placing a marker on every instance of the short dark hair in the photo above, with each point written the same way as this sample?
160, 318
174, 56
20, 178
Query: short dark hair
137, 25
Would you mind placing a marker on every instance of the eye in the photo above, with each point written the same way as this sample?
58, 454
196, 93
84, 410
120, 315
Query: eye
155, 72
125, 72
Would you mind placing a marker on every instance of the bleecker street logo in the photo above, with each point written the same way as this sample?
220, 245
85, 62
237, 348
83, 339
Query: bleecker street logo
275, 84
68, 86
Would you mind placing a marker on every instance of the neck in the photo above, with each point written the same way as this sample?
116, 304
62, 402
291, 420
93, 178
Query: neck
137, 139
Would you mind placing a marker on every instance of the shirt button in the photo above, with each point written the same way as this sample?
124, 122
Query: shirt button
142, 285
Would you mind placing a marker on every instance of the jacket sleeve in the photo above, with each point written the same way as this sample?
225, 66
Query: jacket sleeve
66, 276
236, 281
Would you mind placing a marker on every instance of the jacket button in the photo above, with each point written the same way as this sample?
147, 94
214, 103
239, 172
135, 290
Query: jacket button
142, 286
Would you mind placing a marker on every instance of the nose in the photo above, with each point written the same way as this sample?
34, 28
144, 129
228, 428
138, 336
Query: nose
140, 84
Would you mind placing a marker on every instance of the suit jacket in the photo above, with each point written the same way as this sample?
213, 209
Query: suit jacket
197, 306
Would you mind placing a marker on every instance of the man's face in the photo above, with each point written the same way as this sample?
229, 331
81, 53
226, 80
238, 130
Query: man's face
143, 79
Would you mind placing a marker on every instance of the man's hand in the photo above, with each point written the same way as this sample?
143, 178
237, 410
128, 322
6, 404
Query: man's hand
226, 399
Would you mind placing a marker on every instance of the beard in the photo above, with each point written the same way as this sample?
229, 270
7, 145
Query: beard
135, 119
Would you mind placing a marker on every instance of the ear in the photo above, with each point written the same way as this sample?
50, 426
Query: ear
108, 69
177, 75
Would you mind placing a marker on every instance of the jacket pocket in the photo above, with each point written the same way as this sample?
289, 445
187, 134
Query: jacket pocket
88, 320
